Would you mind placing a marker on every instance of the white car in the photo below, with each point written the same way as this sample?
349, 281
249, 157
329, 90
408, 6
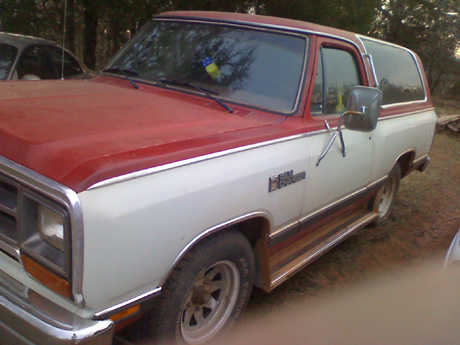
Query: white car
32, 58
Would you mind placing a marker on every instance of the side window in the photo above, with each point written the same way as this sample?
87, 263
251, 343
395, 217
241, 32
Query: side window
397, 72
34, 61
71, 66
337, 74
7, 56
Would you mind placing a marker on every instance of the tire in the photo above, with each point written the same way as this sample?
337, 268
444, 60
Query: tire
386, 195
205, 293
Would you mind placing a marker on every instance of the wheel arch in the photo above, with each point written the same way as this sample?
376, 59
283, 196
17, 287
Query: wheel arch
405, 161
255, 227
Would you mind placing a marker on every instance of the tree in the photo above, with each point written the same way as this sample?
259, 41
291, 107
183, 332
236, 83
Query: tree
352, 15
20, 18
429, 27
97, 29
209, 5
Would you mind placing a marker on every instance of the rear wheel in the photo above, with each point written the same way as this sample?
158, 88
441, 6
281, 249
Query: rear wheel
384, 200
205, 293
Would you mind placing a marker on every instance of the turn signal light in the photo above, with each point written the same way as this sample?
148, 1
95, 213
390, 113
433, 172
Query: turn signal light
46, 277
125, 313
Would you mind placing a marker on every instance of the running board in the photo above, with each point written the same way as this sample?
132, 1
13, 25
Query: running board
291, 259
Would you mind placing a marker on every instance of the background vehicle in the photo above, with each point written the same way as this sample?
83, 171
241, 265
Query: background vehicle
32, 58
453, 254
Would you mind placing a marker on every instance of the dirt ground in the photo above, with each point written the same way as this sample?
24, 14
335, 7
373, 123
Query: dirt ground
425, 219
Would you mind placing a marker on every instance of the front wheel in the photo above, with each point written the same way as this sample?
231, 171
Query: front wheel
386, 195
205, 293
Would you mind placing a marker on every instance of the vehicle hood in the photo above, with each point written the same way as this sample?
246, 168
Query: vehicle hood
82, 132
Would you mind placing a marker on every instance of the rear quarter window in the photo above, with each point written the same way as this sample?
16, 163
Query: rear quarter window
71, 66
397, 72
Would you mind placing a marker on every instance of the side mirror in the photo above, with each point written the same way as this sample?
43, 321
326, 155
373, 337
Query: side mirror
363, 112
364, 107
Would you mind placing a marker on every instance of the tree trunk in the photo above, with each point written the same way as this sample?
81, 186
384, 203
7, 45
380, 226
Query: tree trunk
90, 33
71, 25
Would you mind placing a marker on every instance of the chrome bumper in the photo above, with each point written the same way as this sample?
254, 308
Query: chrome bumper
420, 164
28, 318
422, 167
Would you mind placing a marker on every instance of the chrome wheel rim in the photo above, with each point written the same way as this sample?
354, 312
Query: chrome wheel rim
210, 302
386, 196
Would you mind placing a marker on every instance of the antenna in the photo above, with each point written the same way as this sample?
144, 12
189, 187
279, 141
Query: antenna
63, 39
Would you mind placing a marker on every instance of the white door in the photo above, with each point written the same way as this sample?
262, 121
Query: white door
339, 68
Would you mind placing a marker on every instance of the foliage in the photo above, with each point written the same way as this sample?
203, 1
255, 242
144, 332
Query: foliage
351, 15
30, 17
429, 27
97, 29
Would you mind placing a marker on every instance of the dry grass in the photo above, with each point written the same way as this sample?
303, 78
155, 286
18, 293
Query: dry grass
447, 106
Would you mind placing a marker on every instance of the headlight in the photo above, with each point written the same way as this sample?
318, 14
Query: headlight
51, 227
45, 245
36, 219
45, 233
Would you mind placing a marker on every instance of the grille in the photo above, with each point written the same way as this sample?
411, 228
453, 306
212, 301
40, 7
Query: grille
19, 233
25, 196
9, 211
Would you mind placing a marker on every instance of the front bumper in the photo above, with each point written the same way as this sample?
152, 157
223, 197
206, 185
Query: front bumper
28, 318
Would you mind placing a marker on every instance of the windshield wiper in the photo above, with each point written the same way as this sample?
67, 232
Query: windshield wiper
125, 73
206, 92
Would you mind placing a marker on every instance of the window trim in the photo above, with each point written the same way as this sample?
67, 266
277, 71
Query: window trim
29, 47
55, 73
10, 71
297, 105
333, 43
67, 53
417, 65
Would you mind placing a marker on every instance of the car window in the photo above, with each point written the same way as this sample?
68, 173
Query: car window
71, 66
7, 56
259, 68
337, 74
34, 61
400, 82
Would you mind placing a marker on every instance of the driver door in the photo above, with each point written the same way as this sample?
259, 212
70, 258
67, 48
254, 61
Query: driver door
339, 68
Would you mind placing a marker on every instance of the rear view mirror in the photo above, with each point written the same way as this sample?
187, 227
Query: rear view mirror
363, 109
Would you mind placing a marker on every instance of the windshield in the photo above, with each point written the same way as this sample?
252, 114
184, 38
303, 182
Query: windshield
7, 56
257, 68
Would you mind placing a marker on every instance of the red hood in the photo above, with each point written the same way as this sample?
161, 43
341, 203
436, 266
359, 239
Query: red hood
81, 132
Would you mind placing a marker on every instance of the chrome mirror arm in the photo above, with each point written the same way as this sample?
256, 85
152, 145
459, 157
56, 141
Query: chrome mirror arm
371, 63
326, 150
339, 130
339, 133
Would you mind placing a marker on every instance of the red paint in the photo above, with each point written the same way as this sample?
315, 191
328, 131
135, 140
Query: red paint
82, 132
79, 133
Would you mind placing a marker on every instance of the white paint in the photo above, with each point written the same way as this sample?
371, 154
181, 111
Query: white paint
135, 229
